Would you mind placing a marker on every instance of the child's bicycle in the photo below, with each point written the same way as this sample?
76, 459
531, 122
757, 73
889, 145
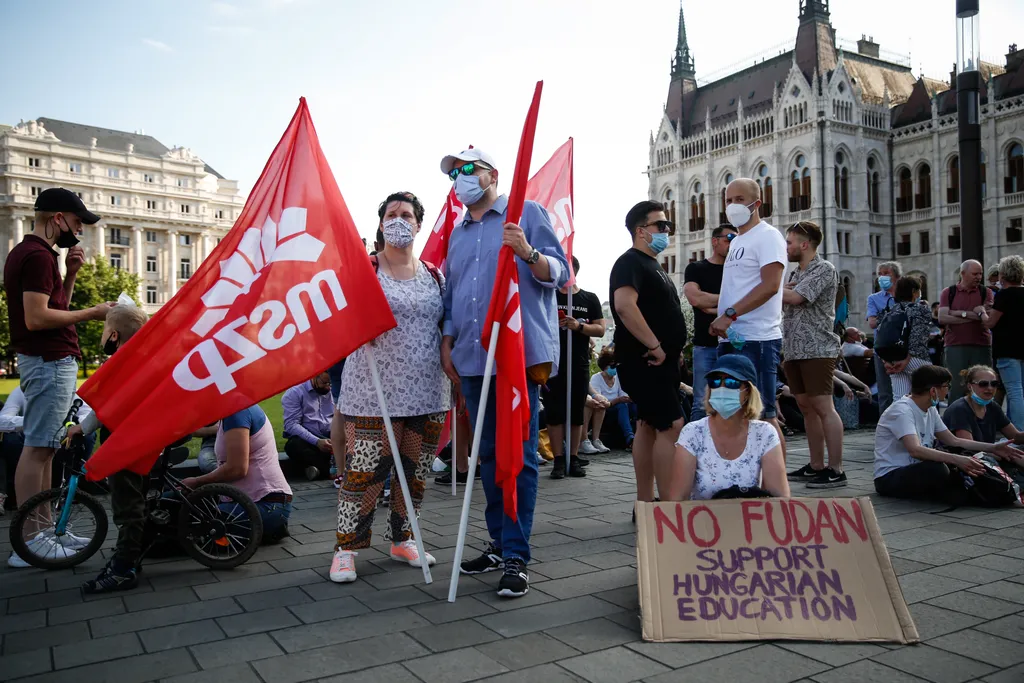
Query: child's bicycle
216, 524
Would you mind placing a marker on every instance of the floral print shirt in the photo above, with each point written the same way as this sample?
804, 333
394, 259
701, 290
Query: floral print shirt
715, 473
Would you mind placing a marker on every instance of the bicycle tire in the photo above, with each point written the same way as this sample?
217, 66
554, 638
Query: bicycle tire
20, 546
237, 496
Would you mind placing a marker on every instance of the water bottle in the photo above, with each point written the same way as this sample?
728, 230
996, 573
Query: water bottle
735, 338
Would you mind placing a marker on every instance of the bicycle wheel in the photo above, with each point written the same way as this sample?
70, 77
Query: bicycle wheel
34, 537
221, 527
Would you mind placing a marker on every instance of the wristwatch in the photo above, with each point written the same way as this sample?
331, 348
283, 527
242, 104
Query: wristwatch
534, 257
963, 314
581, 323
731, 313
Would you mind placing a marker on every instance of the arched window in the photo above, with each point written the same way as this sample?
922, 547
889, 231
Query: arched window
722, 220
923, 198
764, 182
953, 188
670, 205
1014, 169
905, 202
800, 185
805, 189
842, 182
696, 209
873, 186
984, 175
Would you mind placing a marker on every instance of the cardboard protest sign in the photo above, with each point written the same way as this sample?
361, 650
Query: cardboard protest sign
763, 569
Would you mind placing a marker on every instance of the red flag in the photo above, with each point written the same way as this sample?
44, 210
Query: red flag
436, 249
551, 187
288, 292
511, 398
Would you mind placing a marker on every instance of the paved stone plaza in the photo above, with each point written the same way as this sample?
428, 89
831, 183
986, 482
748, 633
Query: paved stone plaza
278, 619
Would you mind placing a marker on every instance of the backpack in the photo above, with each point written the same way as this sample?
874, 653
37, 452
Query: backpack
993, 489
892, 336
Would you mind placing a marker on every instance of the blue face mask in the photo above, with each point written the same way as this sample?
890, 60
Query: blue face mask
979, 400
725, 401
468, 190
885, 282
659, 242
612, 371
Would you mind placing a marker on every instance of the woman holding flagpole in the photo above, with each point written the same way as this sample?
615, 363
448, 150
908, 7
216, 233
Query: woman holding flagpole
416, 394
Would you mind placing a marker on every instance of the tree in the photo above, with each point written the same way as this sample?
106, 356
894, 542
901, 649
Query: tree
5, 329
98, 282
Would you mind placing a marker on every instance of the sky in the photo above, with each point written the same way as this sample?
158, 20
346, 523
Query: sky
394, 85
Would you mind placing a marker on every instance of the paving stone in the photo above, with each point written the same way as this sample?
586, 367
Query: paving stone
135, 669
442, 611
25, 664
183, 579
285, 597
452, 636
382, 600
550, 615
325, 610
83, 612
969, 572
29, 603
921, 586
157, 599
627, 597
527, 650
595, 582
20, 622
1014, 674
613, 666
866, 671
902, 566
1002, 590
255, 585
345, 630
235, 673
595, 634
342, 658
997, 562
389, 673
761, 664
834, 654
675, 656
974, 604
456, 666
545, 673
934, 664
984, 647
180, 635
15, 585
1011, 628
235, 651
257, 622
98, 650
34, 639
164, 616
915, 538
933, 622
559, 569
610, 560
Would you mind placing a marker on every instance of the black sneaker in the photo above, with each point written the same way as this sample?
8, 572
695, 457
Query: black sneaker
805, 473
515, 583
111, 580
582, 461
828, 478
558, 467
446, 478
488, 562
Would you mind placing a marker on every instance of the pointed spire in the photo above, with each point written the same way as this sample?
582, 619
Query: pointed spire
682, 66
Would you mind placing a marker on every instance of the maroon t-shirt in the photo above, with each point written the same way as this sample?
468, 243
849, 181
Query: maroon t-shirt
32, 267
972, 333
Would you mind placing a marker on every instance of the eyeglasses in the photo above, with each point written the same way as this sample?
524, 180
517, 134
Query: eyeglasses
663, 226
728, 238
988, 384
466, 169
728, 382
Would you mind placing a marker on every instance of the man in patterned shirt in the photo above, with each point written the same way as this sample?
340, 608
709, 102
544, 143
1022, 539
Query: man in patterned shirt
810, 347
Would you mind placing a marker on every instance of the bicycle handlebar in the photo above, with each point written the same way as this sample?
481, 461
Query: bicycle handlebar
72, 416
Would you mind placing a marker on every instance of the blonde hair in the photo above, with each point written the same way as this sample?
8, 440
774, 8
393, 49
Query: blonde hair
967, 376
1011, 269
751, 408
126, 321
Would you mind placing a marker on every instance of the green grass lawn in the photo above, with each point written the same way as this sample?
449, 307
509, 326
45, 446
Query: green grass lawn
271, 406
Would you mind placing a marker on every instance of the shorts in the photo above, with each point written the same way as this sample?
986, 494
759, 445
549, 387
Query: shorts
654, 389
49, 388
765, 357
812, 376
554, 401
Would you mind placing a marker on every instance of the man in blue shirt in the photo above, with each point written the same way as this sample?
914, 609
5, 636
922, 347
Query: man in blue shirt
308, 409
470, 271
888, 275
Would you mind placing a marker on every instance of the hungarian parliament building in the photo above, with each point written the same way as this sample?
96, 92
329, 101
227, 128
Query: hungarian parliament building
843, 134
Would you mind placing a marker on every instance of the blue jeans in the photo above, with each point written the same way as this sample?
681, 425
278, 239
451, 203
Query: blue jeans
704, 358
765, 357
1010, 374
510, 536
274, 515
884, 383
49, 388
622, 412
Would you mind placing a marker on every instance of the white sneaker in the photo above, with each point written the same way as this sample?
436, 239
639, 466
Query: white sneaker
68, 541
41, 546
343, 566
601, 448
587, 448
406, 552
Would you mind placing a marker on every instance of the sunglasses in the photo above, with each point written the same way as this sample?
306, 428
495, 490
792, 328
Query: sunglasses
727, 382
988, 384
466, 169
663, 226
728, 238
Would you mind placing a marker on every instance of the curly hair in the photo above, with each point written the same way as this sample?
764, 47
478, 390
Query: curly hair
1011, 269
417, 206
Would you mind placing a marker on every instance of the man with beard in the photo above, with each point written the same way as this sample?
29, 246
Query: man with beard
308, 410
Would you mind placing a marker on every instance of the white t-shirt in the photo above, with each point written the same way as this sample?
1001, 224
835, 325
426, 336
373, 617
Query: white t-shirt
854, 350
715, 473
599, 386
901, 419
748, 253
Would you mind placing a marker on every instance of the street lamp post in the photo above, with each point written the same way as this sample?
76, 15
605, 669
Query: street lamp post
968, 101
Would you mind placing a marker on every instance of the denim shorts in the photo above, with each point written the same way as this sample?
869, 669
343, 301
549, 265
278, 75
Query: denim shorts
765, 357
49, 388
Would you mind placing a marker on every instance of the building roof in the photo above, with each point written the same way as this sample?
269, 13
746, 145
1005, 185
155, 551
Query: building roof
875, 77
110, 140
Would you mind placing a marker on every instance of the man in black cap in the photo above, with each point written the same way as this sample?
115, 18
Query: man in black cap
44, 337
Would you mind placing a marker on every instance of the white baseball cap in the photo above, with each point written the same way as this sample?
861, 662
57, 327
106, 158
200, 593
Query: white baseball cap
474, 154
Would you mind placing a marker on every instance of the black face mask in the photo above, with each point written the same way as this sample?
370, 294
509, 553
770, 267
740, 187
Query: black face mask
110, 346
321, 390
68, 239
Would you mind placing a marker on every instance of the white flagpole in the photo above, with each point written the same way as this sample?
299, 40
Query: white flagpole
568, 389
478, 429
399, 469
455, 450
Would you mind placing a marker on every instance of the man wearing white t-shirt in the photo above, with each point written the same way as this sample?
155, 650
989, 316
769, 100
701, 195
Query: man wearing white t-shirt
750, 302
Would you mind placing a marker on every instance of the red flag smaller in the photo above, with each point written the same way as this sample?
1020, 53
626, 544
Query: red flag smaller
435, 251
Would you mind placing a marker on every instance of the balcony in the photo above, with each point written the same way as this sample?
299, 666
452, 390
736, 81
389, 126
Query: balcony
801, 203
1014, 199
904, 204
953, 209
118, 241
846, 215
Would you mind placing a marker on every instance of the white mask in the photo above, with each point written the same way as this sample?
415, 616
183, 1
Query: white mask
398, 232
738, 215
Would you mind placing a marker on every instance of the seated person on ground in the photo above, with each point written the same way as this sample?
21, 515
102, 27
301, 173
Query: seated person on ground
732, 446
308, 410
976, 416
906, 464
607, 397
247, 459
